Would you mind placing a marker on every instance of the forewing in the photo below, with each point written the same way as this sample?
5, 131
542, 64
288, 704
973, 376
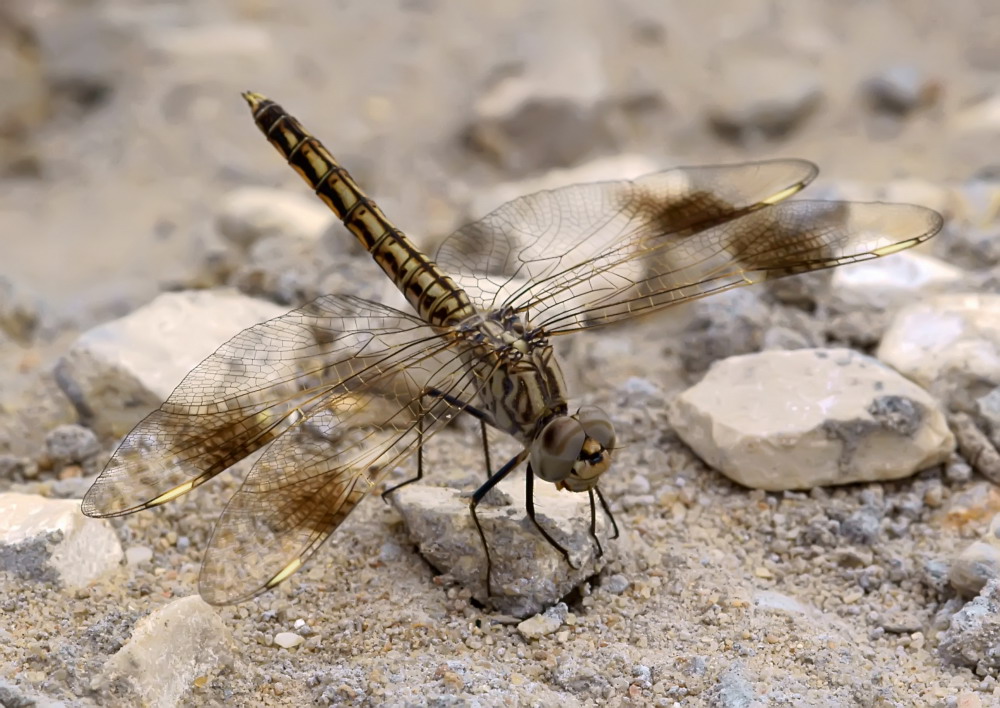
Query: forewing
257, 386
528, 242
653, 268
313, 476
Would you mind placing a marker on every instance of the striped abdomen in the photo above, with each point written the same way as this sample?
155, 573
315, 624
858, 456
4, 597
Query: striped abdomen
435, 296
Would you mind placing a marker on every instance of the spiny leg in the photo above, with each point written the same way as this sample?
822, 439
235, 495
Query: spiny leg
529, 503
486, 448
607, 510
465, 407
593, 523
420, 458
477, 497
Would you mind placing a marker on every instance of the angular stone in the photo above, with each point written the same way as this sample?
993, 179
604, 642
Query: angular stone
50, 540
168, 650
119, 371
545, 623
528, 573
950, 345
973, 636
783, 420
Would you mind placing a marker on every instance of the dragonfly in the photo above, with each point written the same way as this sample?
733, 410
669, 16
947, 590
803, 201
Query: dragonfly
343, 390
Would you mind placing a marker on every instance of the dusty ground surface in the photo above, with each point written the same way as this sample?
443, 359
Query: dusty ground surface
127, 128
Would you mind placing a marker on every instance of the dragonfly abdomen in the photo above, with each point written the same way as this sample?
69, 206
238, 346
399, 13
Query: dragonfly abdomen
434, 295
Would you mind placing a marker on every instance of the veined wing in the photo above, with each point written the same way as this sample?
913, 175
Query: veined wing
534, 239
314, 475
338, 358
670, 237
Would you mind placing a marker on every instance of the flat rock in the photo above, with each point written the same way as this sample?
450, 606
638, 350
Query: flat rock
50, 540
168, 650
886, 283
528, 573
949, 344
783, 420
119, 371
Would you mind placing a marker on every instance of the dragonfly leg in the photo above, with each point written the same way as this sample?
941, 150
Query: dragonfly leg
420, 459
484, 420
607, 510
529, 503
477, 497
475, 412
486, 448
593, 523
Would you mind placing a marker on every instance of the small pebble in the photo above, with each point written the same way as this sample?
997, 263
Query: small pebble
616, 584
288, 640
545, 623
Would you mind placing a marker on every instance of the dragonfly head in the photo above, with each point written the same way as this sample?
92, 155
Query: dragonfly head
573, 451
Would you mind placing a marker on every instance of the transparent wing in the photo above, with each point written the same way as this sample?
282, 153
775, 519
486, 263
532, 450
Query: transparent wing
656, 270
313, 476
589, 255
526, 242
337, 358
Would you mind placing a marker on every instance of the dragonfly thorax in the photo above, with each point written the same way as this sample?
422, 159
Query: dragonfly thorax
525, 394
523, 386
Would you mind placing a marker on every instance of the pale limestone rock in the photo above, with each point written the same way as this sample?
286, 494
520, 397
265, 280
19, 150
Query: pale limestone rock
50, 540
949, 344
249, 214
117, 372
799, 419
168, 650
528, 573
887, 283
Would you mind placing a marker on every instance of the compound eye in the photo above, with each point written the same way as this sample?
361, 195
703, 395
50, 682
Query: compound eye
597, 425
557, 448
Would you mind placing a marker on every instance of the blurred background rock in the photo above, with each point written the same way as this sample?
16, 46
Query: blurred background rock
121, 126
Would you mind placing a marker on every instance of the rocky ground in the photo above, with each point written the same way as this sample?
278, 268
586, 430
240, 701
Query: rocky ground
806, 485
